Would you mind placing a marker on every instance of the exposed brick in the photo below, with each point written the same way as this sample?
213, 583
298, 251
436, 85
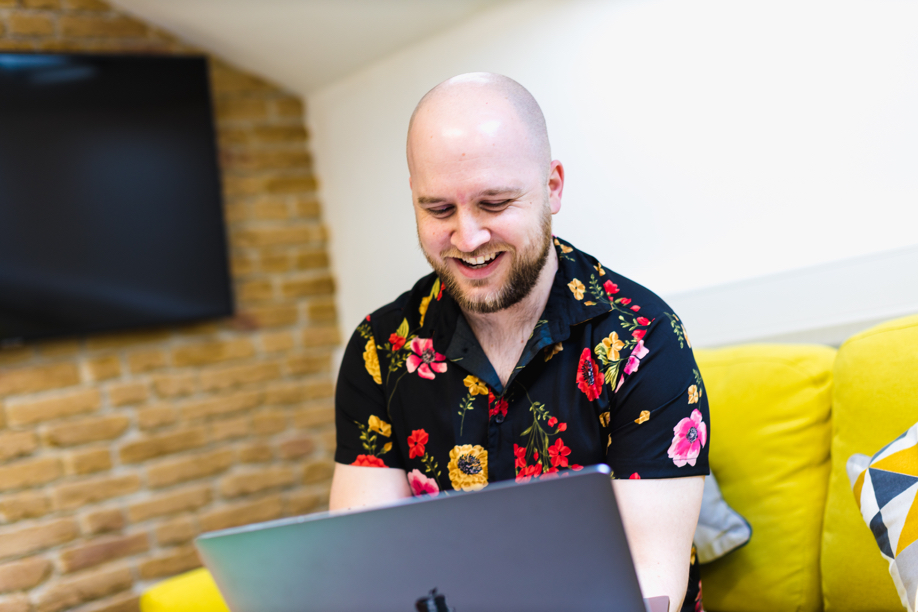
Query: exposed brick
75, 494
273, 316
16, 541
174, 385
103, 521
293, 235
29, 473
305, 287
69, 592
125, 602
276, 342
145, 361
244, 513
255, 481
230, 429
87, 5
308, 207
298, 392
294, 448
23, 574
156, 416
311, 259
157, 445
88, 461
226, 378
322, 311
241, 109
103, 368
16, 603
225, 79
101, 550
16, 45
127, 394
255, 160
78, 26
241, 265
271, 134
288, 107
38, 378
17, 444
176, 531
189, 467
59, 348
271, 261
181, 500
256, 452
30, 412
301, 502
327, 439
222, 404
309, 364
255, 291
125, 339
321, 336
272, 421
177, 560
205, 328
30, 24
41, 4
87, 430
28, 504
12, 356
318, 471
313, 416
212, 352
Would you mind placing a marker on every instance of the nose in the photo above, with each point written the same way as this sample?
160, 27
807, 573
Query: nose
469, 232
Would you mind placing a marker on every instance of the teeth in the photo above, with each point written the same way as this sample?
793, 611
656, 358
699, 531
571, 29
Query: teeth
480, 260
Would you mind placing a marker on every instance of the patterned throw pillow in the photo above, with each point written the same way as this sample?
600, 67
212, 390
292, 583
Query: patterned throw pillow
885, 487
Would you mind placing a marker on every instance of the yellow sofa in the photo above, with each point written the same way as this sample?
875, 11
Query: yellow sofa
785, 418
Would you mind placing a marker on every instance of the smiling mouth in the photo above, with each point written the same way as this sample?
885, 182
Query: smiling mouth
476, 263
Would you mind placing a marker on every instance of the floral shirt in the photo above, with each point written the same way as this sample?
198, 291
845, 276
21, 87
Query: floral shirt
607, 376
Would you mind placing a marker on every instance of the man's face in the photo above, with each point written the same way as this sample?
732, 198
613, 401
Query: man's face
483, 208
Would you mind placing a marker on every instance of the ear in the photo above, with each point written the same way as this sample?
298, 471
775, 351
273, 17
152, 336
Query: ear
555, 186
409, 182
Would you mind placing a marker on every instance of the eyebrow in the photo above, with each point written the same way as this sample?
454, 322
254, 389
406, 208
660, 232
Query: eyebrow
481, 194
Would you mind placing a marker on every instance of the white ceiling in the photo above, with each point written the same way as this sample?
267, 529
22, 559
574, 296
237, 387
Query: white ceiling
303, 44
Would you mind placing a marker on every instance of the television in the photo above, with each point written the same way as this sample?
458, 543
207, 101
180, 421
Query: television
111, 212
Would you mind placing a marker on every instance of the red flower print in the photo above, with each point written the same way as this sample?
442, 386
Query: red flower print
643, 321
440, 293
368, 461
558, 453
425, 359
498, 407
416, 442
634, 476
610, 287
624, 301
520, 453
576, 467
421, 484
397, 342
638, 334
368, 317
635, 308
589, 379
552, 421
528, 472
562, 426
691, 434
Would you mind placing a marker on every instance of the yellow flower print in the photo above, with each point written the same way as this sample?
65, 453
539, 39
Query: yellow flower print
605, 418
693, 395
564, 249
371, 361
476, 387
599, 269
553, 350
576, 288
613, 345
468, 467
645, 416
380, 426
685, 335
425, 302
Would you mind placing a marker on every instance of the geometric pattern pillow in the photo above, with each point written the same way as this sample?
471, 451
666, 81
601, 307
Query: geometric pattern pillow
886, 491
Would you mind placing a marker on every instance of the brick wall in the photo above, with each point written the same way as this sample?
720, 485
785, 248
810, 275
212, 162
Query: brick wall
116, 450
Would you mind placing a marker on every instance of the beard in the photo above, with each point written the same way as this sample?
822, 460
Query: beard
525, 267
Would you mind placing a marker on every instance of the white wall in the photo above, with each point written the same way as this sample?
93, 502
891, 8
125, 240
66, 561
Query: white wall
705, 142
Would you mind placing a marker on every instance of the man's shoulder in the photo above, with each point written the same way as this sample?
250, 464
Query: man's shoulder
407, 306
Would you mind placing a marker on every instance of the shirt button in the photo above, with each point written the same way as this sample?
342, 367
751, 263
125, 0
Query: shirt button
499, 418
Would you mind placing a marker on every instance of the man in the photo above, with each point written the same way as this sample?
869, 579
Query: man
520, 356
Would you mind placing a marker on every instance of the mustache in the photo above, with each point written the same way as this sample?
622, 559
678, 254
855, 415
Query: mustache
479, 252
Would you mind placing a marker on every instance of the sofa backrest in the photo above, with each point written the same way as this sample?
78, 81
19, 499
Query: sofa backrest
770, 438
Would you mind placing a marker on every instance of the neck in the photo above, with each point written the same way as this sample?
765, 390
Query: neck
513, 326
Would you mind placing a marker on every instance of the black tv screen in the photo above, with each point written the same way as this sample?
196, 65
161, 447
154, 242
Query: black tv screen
110, 203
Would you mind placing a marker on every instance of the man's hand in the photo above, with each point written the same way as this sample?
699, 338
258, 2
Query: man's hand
356, 487
660, 516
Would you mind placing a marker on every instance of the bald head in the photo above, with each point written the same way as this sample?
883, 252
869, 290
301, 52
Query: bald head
478, 108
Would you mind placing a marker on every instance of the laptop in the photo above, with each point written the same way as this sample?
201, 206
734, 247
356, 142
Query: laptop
547, 545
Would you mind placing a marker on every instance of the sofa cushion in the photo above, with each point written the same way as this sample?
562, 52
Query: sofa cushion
770, 434
874, 400
193, 591
721, 529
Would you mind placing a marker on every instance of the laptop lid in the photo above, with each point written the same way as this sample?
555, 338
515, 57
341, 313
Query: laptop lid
546, 545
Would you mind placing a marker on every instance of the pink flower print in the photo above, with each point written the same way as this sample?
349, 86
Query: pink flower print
634, 360
421, 484
691, 434
425, 359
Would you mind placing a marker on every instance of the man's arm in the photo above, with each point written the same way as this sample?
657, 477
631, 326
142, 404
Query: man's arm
660, 516
356, 487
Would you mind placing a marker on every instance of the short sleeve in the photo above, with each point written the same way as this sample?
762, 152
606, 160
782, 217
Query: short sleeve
363, 427
660, 424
